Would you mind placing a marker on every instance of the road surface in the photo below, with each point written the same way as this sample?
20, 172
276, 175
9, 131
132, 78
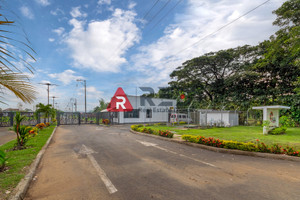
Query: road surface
92, 162
6, 135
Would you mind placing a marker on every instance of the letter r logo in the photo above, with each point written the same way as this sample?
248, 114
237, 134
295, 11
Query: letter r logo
118, 104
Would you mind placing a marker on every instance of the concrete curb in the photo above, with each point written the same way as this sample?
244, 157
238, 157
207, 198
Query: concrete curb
222, 150
23, 185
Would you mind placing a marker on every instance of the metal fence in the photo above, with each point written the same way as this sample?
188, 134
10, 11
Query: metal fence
7, 119
219, 118
77, 118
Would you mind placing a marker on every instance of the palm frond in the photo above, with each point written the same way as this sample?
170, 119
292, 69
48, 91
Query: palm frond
19, 85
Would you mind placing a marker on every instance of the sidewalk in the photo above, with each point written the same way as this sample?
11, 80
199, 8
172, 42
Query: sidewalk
6, 135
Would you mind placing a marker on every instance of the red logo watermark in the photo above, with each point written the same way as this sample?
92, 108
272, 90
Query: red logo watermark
119, 102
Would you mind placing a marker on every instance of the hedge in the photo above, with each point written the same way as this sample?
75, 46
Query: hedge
249, 146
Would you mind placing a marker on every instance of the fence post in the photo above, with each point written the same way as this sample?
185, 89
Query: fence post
38, 118
97, 118
58, 118
11, 116
79, 119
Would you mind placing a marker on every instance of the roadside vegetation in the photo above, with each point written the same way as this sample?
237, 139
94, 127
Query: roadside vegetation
245, 76
17, 155
239, 133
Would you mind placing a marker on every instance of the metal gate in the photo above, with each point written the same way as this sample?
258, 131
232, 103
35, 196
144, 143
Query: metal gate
77, 118
31, 119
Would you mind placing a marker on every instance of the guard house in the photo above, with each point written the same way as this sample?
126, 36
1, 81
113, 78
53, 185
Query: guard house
270, 113
207, 117
146, 110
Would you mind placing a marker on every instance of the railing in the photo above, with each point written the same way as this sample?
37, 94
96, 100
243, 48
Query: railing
7, 119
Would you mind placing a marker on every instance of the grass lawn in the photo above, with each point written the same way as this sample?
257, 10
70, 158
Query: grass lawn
241, 134
18, 161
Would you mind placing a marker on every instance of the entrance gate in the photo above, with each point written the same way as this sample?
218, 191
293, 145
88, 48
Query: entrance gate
77, 118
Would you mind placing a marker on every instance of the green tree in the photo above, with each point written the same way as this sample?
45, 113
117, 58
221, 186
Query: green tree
279, 66
208, 78
102, 105
46, 110
11, 77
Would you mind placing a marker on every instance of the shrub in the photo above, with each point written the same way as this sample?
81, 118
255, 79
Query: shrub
143, 129
286, 121
105, 121
166, 133
47, 124
182, 122
262, 147
40, 126
148, 130
249, 146
3, 160
277, 131
135, 127
290, 151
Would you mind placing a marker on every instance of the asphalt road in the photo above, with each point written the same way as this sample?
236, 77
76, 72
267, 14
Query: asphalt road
92, 162
6, 135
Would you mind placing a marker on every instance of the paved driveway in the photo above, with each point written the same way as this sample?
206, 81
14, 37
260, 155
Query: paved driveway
5, 135
92, 162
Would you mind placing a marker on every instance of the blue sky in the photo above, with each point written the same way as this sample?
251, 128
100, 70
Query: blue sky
118, 43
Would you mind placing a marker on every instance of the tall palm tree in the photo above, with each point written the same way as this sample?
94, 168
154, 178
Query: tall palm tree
11, 77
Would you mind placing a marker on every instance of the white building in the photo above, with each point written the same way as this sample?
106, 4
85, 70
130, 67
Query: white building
218, 117
146, 110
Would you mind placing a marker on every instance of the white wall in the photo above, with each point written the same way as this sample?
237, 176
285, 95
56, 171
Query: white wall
159, 113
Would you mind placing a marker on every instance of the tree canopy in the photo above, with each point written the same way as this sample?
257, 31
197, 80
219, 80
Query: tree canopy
241, 77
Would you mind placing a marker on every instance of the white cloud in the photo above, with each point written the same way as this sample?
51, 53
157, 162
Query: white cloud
102, 2
59, 31
26, 12
66, 76
75, 12
102, 44
158, 59
56, 12
43, 2
51, 39
131, 5
93, 93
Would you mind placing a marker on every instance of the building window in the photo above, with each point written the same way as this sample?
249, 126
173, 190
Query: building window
149, 113
135, 113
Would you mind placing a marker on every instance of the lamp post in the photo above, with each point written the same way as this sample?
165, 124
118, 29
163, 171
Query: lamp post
48, 89
53, 97
84, 83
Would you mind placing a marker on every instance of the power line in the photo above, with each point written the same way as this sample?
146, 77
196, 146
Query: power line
142, 19
159, 11
125, 41
222, 27
151, 9
165, 15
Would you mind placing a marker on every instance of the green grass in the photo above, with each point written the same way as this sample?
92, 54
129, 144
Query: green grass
241, 134
19, 161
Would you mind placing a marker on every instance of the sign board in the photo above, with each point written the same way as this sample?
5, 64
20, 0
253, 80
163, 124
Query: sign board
119, 102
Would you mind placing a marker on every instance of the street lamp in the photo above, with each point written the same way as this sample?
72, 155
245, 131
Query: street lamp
53, 100
84, 83
48, 84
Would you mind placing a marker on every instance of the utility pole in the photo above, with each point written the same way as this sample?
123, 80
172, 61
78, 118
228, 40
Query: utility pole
48, 89
84, 83
53, 100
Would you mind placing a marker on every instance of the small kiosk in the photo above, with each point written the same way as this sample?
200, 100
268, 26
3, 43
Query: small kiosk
270, 113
